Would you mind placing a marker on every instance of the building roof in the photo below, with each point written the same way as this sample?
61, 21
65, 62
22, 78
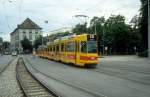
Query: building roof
27, 24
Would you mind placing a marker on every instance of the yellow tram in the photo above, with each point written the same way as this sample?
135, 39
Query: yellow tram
79, 50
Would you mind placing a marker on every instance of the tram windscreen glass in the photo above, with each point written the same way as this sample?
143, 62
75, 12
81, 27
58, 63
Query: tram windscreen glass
92, 47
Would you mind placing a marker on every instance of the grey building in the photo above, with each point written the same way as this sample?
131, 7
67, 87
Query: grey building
27, 29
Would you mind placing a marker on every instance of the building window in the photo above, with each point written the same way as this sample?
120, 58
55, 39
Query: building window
24, 35
36, 36
30, 35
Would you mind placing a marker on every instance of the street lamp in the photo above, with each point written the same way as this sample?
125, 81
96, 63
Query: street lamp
103, 37
95, 27
82, 16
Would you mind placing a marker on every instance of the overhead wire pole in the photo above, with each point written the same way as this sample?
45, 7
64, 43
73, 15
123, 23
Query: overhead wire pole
2, 2
83, 16
149, 28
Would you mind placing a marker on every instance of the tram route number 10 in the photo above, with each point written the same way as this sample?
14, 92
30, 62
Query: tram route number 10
91, 37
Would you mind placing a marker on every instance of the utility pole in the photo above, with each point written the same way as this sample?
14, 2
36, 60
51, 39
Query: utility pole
42, 39
103, 38
1, 45
95, 29
95, 26
149, 28
83, 17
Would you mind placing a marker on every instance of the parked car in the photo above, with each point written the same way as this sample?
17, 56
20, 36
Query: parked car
14, 53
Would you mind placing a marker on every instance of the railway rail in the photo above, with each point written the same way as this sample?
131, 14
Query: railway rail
30, 86
121, 75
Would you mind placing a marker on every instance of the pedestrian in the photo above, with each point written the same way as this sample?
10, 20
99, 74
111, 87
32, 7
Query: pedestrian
34, 53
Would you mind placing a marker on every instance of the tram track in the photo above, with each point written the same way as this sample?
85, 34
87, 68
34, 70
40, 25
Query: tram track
62, 81
135, 69
120, 74
29, 84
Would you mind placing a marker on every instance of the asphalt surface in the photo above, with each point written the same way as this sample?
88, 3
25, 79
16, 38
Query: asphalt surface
117, 76
4, 60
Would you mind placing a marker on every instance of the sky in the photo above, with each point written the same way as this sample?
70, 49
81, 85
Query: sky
60, 13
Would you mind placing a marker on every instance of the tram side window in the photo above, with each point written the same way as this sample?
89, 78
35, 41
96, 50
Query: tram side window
83, 47
50, 48
71, 47
62, 47
57, 48
54, 48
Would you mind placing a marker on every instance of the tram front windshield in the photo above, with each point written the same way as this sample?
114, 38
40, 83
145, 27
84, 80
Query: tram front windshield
91, 47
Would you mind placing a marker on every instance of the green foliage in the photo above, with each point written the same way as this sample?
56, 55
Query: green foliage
96, 26
116, 31
37, 42
80, 29
113, 33
26, 44
143, 25
6, 44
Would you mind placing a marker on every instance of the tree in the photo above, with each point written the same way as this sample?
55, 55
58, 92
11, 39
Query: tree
96, 25
113, 32
143, 25
118, 35
27, 45
37, 42
6, 44
80, 29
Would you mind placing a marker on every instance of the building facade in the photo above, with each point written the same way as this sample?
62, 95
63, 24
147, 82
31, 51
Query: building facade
27, 29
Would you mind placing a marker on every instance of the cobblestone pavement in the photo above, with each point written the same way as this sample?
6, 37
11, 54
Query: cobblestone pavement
9, 86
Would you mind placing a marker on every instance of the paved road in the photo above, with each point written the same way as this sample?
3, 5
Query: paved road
114, 76
126, 67
4, 60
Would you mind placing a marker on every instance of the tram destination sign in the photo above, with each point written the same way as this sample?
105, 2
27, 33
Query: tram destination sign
91, 37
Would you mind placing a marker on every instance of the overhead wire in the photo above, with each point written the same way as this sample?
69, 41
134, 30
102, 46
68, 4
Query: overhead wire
95, 6
6, 18
92, 7
20, 9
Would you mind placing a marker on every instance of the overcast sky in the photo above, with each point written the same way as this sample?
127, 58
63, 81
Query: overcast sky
60, 13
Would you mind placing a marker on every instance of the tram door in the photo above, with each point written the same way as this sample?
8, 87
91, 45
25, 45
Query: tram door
78, 54
76, 51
